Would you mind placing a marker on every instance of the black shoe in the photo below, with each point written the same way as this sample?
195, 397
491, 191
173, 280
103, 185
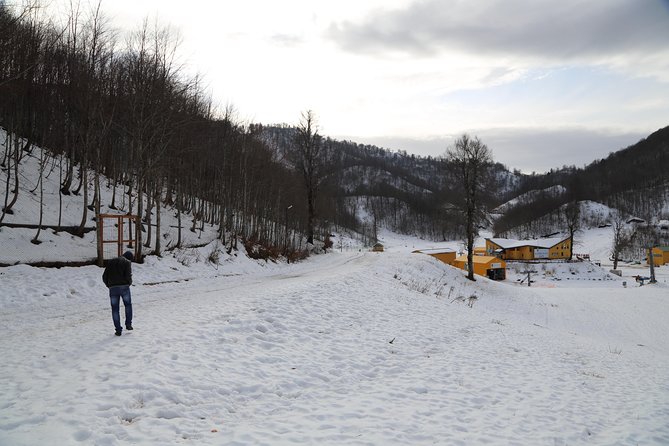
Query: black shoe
118, 333
128, 327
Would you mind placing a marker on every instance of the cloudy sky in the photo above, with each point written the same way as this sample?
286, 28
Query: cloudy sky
543, 83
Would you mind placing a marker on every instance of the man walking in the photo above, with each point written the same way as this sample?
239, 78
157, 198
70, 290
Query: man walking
118, 278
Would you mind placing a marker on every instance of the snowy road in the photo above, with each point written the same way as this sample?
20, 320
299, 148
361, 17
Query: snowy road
351, 348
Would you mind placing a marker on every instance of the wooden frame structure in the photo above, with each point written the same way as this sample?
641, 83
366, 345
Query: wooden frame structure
116, 231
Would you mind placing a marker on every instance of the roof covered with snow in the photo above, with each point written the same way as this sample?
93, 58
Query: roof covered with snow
436, 251
508, 243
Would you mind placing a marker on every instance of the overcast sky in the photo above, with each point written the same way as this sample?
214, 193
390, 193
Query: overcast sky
544, 83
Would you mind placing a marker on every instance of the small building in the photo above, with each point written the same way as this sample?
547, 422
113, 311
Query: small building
635, 221
480, 251
378, 247
663, 225
660, 255
554, 248
446, 255
487, 266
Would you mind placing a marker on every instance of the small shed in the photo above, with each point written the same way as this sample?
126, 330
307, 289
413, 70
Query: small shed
635, 220
660, 255
486, 266
446, 255
378, 247
663, 225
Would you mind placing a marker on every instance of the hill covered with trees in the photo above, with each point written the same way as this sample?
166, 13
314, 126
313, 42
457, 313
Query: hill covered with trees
634, 180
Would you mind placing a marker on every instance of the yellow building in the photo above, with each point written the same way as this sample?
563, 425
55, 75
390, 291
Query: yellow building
541, 249
486, 266
660, 255
446, 255
480, 251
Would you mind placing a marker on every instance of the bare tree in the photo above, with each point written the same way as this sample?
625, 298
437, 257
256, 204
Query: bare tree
572, 216
470, 158
309, 163
36, 240
621, 237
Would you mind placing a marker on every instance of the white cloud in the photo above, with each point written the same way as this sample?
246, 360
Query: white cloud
419, 70
541, 31
537, 149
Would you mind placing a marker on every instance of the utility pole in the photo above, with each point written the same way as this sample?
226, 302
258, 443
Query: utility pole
285, 245
528, 271
651, 262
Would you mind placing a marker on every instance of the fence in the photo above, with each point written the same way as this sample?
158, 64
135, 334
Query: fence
116, 234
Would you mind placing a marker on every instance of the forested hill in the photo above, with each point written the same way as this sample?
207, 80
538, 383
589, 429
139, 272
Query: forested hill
373, 186
641, 165
634, 180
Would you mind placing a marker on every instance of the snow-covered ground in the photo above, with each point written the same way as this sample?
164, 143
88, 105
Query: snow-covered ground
353, 347
348, 348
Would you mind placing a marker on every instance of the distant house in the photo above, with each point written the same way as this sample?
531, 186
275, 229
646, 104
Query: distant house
635, 220
480, 251
446, 255
554, 248
660, 255
663, 225
378, 247
486, 266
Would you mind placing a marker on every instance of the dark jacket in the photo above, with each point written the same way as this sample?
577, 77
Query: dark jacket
118, 272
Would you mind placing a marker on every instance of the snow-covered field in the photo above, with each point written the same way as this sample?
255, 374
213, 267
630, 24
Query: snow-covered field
352, 347
347, 348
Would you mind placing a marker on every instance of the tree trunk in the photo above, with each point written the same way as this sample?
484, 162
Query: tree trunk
60, 191
36, 240
113, 202
67, 183
157, 199
310, 216
178, 205
97, 217
84, 216
140, 209
147, 218
17, 160
470, 247
7, 183
82, 176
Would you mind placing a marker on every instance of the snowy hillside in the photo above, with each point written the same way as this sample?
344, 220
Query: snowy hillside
62, 246
528, 197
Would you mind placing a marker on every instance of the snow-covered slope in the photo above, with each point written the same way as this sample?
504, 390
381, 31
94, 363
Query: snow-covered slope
528, 197
348, 348
63, 246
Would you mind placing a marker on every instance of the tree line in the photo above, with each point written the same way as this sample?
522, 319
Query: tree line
129, 111
375, 187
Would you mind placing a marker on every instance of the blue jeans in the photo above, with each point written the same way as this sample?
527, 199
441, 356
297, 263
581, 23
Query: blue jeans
117, 293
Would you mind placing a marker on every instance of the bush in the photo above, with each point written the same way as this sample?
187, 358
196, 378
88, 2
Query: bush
295, 255
259, 251
327, 243
215, 255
